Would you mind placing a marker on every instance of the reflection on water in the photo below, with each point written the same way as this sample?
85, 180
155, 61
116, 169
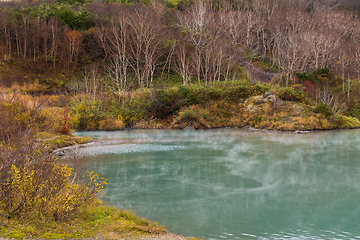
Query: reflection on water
237, 184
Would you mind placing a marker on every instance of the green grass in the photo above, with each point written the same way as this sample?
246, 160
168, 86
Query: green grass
54, 141
97, 219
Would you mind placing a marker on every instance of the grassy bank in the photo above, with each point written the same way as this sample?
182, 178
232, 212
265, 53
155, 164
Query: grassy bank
236, 104
95, 221
54, 141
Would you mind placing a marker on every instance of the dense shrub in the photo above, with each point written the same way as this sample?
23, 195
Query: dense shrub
291, 94
32, 183
342, 121
324, 109
85, 114
188, 115
353, 109
16, 119
169, 101
133, 110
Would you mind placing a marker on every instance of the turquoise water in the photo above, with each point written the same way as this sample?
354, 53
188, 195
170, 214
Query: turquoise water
237, 184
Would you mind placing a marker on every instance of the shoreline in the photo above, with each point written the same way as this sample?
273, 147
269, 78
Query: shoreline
98, 142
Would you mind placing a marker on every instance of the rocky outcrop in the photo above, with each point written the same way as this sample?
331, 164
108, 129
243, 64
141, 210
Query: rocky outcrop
262, 102
270, 112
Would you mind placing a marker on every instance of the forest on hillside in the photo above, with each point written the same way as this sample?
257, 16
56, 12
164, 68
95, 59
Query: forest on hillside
103, 48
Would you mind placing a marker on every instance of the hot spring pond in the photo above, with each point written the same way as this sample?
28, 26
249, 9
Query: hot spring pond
235, 183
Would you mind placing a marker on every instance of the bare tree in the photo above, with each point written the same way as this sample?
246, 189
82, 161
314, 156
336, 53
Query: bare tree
91, 81
343, 62
356, 57
54, 39
320, 5
147, 36
325, 96
183, 64
345, 23
251, 21
36, 38
193, 23
74, 40
101, 34
233, 25
5, 28
322, 45
119, 57
44, 29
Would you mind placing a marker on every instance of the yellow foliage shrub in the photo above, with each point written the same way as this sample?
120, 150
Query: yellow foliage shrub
109, 124
265, 124
53, 118
345, 121
74, 121
48, 191
32, 183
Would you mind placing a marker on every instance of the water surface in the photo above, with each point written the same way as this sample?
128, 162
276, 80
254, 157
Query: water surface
237, 184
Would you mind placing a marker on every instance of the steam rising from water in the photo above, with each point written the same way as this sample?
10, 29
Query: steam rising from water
129, 148
237, 184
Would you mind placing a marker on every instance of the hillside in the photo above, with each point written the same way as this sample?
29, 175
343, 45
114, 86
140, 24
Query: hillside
108, 63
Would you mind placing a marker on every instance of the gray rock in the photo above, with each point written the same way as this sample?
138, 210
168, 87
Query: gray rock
272, 98
61, 154
189, 127
266, 94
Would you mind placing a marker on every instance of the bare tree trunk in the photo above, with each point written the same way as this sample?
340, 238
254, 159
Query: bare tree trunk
182, 63
54, 47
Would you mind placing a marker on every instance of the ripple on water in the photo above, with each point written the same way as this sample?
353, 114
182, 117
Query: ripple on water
130, 148
306, 233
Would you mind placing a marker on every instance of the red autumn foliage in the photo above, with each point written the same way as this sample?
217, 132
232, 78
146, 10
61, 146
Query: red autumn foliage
310, 88
65, 118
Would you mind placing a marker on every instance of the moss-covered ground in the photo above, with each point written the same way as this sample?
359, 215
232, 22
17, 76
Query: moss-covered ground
98, 221
54, 141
